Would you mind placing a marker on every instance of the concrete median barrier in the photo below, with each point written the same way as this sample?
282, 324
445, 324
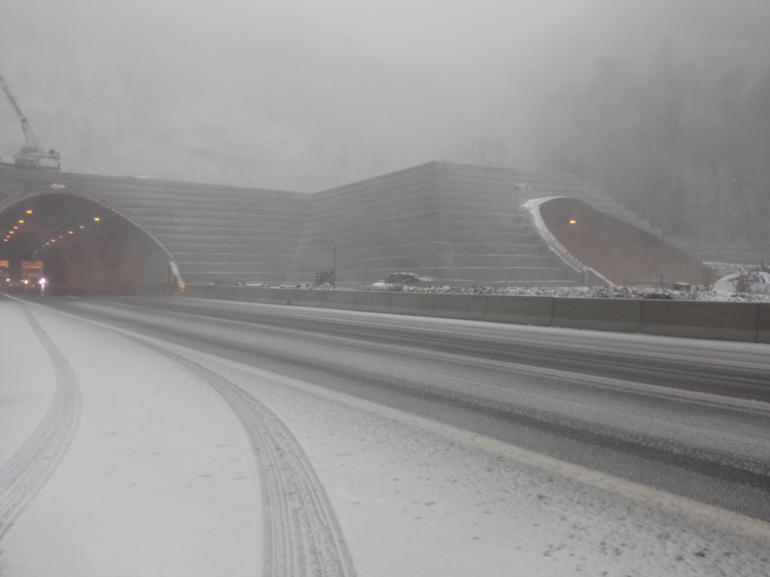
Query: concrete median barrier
257, 294
281, 296
341, 299
620, 315
519, 310
373, 301
763, 323
309, 298
198, 291
710, 320
411, 303
705, 320
459, 306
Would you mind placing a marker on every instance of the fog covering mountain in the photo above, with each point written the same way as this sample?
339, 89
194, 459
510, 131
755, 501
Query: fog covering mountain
665, 103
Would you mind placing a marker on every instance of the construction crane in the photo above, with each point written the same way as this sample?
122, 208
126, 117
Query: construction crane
32, 154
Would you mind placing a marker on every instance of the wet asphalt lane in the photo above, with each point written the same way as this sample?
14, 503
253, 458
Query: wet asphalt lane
687, 416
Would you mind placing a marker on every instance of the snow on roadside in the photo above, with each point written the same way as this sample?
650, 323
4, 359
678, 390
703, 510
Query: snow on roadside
412, 503
26, 380
159, 480
617, 292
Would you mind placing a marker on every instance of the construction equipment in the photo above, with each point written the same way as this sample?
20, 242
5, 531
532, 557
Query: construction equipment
32, 154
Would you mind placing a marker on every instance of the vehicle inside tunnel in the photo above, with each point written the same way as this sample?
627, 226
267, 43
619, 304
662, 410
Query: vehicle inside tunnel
62, 243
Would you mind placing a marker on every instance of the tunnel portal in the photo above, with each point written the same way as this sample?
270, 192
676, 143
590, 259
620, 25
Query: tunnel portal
459, 224
84, 247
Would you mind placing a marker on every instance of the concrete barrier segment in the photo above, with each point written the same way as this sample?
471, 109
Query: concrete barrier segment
704, 320
621, 315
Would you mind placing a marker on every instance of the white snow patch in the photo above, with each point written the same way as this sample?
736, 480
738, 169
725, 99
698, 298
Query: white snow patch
160, 478
415, 504
26, 383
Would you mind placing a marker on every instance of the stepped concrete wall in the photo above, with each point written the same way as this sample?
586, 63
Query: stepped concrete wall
453, 222
212, 232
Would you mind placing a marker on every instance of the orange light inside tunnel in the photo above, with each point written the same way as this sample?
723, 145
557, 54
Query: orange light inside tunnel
28, 211
97, 219
70, 232
21, 221
572, 221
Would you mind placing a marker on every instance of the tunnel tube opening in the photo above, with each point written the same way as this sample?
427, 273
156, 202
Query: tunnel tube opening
84, 247
621, 252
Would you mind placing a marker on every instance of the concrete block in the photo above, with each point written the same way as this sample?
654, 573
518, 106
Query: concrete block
707, 320
309, 298
341, 299
459, 306
199, 291
282, 296
373, 301
411, 303
622, 315
763, 327
257, 294
519, 310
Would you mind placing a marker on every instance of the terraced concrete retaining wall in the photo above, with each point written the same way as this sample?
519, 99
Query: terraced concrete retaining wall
707, 320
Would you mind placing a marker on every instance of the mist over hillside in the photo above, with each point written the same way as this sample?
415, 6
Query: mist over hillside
663, 103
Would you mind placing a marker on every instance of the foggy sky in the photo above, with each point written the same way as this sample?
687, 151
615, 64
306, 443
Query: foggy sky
306, 95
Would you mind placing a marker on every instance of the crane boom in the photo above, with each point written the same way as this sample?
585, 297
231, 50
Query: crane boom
32, 155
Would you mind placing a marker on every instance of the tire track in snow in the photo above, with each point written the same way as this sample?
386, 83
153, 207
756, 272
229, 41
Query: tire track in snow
302, 536
27, 471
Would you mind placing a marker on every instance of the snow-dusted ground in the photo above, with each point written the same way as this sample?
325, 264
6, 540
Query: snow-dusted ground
585, 292
160, 479
417, 504
27, 380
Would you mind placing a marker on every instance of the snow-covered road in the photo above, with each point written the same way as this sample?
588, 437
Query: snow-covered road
159, 478
251, 455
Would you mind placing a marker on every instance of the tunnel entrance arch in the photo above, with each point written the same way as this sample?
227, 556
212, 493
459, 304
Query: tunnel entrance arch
85, 246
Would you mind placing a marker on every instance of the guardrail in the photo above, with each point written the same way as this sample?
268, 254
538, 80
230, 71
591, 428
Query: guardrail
693, 319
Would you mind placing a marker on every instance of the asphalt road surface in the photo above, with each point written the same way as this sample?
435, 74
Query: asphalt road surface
669, 422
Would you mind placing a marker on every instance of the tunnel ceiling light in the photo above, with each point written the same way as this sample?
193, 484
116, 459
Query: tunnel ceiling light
28, 211
20, 221
573, 221
70, 232
82, 226
97, 219
15, 227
